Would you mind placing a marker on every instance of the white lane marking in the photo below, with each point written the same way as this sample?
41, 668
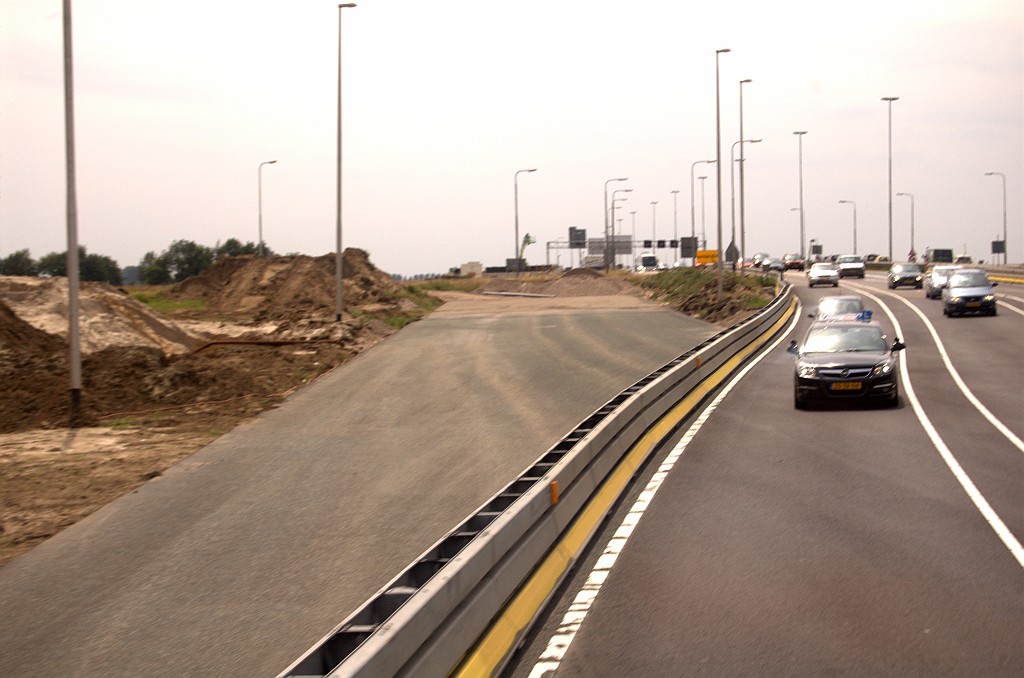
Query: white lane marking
550, 659
1009, 296
1010, 307
1002, 428
993, 519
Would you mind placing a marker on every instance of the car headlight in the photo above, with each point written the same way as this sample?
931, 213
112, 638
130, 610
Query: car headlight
954, 300
918, 278
990, 297
882, 369
806, 371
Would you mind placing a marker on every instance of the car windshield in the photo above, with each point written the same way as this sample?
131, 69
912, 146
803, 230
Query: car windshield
906, 268
844, 338
837, 306
974, 279
823, 267
850, 259
942, 271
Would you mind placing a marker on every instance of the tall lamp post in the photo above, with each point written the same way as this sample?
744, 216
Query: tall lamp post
337, 253
515, 181
890, 100
703, 213
850, 202
632, 240
693, 220
743, 230
654, 221
675, 225
614, 201
800, 140
259, 173
718, 164
912, 255
1006, 250
732, 181
71, 214
607, 238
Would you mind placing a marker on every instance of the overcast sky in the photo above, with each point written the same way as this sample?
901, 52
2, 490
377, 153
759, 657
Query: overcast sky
177, 104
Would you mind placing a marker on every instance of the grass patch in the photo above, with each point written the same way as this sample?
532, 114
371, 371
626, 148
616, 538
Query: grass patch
158, 300
448, 284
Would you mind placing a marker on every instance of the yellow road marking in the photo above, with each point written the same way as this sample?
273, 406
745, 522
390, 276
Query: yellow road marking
499, 639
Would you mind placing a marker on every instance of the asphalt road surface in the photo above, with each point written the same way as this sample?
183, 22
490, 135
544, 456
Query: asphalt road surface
237, 560
844, 540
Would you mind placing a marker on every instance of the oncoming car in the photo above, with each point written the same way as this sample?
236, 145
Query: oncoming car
850, 266
823, 273
849, 359
829, 307
905, 274
968, 290
936, 279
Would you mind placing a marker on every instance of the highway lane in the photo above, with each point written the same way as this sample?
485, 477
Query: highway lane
834, 541
238, 559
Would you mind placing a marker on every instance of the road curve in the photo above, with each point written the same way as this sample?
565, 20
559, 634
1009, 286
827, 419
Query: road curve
838, 541
237, 560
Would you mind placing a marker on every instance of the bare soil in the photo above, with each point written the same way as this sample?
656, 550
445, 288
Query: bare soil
157, 387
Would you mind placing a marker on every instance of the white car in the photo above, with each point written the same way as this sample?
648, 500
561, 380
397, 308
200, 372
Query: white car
823, 273
850, 266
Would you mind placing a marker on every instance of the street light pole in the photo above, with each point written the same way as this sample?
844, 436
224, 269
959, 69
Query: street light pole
614, 200
718, 158
632, 240
675, 224
800, 140
607, 239
693, 221
890, 100
913, 251
732, 183
515, 181
850, 202
1006, 250
743, 230
654, 221
337, 254
703, 214
259, 173
71, 208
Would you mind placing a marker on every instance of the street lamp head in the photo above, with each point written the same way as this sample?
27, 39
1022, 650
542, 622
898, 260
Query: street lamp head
722, 51
754, 141
890, 98
746, 81
271, 162
347, 4
675, 191
798, 133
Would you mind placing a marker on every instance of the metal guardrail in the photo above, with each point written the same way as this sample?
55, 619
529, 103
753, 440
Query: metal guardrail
425, 620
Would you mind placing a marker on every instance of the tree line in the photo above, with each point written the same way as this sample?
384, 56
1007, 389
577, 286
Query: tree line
183, 259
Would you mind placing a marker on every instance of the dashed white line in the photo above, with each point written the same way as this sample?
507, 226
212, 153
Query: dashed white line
552, 656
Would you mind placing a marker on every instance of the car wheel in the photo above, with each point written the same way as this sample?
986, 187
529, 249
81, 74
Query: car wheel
994, 312
918, 286
799, 403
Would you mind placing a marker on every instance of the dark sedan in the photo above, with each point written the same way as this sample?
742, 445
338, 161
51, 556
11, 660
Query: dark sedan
845, 360
905, 274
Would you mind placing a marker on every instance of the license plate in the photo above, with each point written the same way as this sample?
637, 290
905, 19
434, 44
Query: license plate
846, 386
973, 304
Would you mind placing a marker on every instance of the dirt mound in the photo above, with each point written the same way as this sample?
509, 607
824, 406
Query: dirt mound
17, 336
107, 316
287, 287
574, 283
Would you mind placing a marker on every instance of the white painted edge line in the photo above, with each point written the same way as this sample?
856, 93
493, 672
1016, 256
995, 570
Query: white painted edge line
993, 519
1002, 428
550, 659
1010, 307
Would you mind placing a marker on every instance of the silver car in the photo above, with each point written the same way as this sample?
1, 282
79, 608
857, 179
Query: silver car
823, 273
935, 279
840, 305
850, 266
969, 291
